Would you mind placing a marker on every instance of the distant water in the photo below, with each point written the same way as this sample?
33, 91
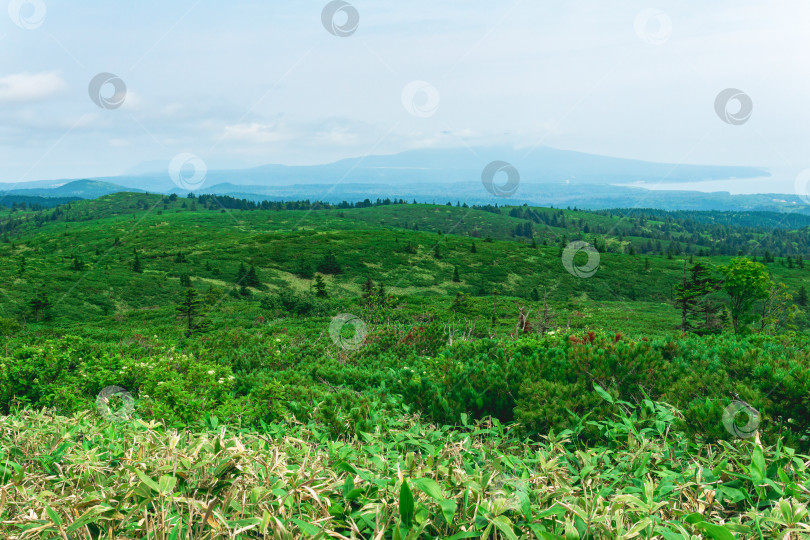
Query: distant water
736, 186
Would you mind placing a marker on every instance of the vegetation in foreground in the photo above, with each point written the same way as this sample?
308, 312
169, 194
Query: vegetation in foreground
79, 477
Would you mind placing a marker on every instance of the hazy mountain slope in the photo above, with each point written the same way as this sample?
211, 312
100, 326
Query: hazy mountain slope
85, 189
432, 166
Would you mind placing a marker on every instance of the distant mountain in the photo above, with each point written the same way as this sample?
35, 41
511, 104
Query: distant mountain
547, 177
446, 166
84, 189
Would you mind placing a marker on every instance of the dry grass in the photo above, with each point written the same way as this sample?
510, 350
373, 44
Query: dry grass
82, 477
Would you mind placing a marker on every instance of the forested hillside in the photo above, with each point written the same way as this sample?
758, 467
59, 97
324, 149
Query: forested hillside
302, 368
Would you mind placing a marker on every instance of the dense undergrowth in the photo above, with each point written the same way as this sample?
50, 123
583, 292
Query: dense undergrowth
540, 382
81, 477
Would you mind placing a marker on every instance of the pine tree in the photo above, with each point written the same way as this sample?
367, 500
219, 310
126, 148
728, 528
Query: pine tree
185, 280
40, 307
329, 265
368, 290
190, 309
252, 279
382, 294
473, 248
456, 278
241, 273
437, 252
535, 295
137, 266
320, 287
691, 293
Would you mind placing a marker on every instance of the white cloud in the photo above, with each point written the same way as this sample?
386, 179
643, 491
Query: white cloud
255, 133
19, 87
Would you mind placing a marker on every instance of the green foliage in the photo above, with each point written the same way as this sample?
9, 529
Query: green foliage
406, 479
320, 287
137, 265
329, 265
190, 308
513, 426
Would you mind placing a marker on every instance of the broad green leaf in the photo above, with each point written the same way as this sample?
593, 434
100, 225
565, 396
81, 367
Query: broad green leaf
461, 535
693, 518
758, 467
543, 534
54, 516
601, 391
429, 487
307, 528
718, 532
146, 480
638, 527
166, 484
505, 526
448, 507
406, 504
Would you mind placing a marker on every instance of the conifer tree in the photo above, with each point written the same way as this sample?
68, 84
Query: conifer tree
329, 265
241, 273
690, 294
137, 266
368, 290
190, 308
252, 279
320, 287
40, 307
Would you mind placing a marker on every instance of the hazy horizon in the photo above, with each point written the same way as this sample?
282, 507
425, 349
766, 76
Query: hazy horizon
258, 84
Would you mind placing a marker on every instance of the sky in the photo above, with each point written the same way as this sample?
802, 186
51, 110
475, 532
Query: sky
243, 83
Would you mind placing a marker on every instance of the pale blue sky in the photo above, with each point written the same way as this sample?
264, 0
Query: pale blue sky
247, 83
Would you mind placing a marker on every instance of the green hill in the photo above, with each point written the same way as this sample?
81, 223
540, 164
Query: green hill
433, 358
82, 254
